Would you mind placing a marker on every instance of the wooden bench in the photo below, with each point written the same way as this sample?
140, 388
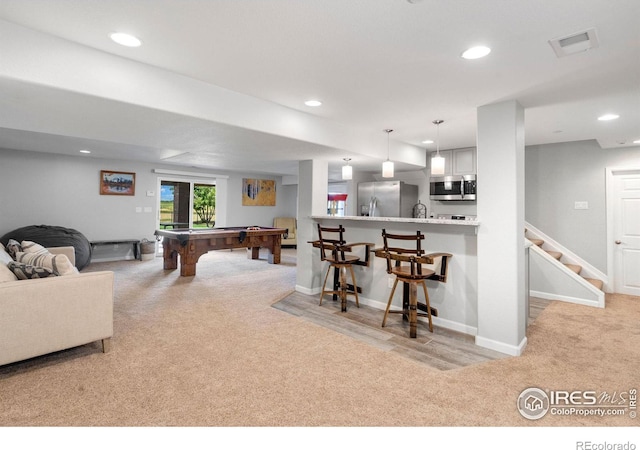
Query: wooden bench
137, 254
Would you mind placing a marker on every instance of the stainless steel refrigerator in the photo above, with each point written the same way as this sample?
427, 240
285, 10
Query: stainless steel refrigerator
387, 198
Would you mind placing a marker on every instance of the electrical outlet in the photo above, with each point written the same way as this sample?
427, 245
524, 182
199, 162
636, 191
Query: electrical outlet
581, 205
390, 282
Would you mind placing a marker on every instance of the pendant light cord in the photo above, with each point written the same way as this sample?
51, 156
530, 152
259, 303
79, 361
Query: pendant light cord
437, 124
388, 132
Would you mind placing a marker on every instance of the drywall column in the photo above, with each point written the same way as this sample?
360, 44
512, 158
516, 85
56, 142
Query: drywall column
313, 184
501, 264
222, 196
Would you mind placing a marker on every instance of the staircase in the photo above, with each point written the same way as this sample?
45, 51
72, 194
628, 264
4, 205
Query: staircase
575, 268
558, 274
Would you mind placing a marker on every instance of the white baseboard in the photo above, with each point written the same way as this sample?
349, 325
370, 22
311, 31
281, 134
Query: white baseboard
565, 298
513, 350
112, 258
455, 326
307, 291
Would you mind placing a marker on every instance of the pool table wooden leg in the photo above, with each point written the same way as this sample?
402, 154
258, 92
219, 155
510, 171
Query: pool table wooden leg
170, 259
275, 250
274, 256
254, 252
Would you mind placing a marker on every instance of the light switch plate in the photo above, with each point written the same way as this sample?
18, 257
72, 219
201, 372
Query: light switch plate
581, 205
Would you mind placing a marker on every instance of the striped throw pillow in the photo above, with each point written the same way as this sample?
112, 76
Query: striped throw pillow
24, 271
32, 247
58, 264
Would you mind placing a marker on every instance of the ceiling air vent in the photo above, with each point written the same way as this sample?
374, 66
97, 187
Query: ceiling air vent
575, 43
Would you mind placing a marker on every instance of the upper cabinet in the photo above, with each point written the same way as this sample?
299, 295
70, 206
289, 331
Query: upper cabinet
461, 161
464, 161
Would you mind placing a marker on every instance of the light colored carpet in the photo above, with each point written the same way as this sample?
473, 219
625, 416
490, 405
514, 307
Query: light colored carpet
211, 351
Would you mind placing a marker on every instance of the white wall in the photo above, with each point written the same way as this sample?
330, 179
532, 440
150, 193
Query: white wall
48, 189
558, 175
238, 215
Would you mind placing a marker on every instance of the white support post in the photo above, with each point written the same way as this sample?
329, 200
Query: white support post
313, 185
502, 314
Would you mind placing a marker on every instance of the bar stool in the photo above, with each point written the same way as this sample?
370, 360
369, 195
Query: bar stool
407, 267
332, 249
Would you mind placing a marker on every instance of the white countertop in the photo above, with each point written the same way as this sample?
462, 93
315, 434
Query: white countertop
473, 223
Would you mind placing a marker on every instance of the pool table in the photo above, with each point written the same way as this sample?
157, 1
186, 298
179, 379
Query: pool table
192, 243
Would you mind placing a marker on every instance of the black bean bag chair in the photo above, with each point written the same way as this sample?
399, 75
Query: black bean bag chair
52, 236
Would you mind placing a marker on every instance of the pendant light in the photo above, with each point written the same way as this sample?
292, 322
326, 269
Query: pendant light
437, 162
347, 170
387, 166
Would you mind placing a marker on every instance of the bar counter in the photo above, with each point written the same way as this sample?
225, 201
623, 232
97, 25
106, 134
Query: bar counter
455, 300
432, 221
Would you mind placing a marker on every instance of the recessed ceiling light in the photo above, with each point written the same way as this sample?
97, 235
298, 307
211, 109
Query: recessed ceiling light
125, 39
608, 117
313, 103
637, 141
85, 151
428, 141
476, 52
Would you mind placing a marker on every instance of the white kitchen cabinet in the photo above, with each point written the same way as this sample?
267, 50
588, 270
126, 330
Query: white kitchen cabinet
461, 161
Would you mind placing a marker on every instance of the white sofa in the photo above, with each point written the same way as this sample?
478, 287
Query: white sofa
45, 315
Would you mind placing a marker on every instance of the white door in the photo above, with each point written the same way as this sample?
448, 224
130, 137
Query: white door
626, 232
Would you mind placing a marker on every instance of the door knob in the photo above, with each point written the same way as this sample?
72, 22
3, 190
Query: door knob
618, 242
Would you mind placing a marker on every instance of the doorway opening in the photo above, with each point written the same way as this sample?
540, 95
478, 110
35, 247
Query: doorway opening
185, 204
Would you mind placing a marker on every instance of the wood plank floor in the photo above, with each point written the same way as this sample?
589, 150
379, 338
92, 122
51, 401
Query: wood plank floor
443, 349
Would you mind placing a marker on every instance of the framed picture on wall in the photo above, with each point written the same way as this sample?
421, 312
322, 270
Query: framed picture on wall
258, 192
117, 183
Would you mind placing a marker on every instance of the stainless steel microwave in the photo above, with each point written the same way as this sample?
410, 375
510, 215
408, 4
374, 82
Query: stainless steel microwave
456, 187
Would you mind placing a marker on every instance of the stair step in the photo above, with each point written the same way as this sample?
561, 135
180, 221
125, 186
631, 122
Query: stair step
556, 255
597, 283
537, 242
574, 267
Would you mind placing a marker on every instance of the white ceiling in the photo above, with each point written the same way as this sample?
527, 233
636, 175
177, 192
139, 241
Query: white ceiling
375, 64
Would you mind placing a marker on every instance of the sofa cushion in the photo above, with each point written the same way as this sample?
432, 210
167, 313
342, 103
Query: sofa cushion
13, 247
58, 264
24, 271
6, 274
5, 258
